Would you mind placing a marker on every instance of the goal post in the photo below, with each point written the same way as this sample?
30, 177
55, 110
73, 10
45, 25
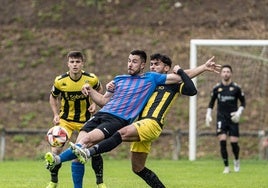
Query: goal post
237, 50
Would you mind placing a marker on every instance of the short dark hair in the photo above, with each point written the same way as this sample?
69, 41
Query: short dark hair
227, 66
165, 59
76, 54
140, 53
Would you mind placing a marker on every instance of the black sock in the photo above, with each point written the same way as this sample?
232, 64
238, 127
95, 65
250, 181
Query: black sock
150, 178
236, 149
106, 145
54, 173
97, 165
224, 153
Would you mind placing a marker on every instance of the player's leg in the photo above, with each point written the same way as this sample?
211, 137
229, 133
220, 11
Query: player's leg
49, 157
222, 129
234, 136
235, 147
105, 132
105, 145
68, 155
148, 130
138, 160
97, 131
54, 171
97, 166
78, 169
224, 153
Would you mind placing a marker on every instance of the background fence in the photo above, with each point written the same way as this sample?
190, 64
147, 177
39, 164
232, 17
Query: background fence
175, 135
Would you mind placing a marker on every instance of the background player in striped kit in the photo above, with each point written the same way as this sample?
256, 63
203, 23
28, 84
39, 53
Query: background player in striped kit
71, 109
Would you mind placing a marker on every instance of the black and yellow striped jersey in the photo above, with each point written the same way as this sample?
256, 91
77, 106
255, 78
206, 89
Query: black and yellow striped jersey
161, 101
74, 105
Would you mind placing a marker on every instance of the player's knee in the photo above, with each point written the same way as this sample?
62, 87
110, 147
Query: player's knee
123, 133
137, 168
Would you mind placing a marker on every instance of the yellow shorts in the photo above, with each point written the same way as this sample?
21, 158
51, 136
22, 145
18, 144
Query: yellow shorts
71, 126
148, 130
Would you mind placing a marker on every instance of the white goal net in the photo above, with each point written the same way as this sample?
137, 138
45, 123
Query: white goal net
249, 60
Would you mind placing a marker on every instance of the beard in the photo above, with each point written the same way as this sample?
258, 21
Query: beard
133, 72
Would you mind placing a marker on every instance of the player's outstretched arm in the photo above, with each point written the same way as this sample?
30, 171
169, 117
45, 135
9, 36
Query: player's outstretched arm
210, 66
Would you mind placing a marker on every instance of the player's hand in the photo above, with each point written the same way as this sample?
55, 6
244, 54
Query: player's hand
56, 120
86, 89
110, 86
208, 117
211, 66
92, 108
176, 68
235, 116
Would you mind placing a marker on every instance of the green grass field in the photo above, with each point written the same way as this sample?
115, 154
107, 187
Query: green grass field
118, 174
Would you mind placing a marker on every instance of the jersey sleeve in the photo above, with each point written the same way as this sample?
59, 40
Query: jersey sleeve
241, 97
55, 90
96, 82
160, 79
188, 88
213, 97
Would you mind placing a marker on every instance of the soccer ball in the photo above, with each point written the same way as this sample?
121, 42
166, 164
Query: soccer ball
57, 136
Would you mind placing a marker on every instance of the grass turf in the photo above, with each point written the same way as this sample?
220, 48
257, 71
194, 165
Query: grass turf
118, 174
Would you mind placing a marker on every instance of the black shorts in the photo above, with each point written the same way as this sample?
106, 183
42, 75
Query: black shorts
107, 123
226, 126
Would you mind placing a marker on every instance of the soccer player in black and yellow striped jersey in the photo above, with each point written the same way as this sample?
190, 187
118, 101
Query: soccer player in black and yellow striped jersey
149, 126
71, 109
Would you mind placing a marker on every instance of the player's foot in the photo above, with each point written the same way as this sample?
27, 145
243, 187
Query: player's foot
79, 152
52, 185
51, 162
102, 185
226, 170
236, 165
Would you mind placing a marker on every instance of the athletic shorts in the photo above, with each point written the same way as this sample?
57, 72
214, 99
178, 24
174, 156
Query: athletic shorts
226, 126
70, 126
148, 130
107, 123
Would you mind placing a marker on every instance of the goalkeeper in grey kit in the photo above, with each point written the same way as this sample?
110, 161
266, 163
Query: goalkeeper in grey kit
227, 93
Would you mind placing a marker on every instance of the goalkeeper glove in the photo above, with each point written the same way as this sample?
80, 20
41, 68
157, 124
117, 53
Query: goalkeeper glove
208, 117
235, 116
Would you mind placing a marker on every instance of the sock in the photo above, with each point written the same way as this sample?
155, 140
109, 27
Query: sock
224, 153
78, 171
236, 149
106, 145
54, 173
150, 178
97, 165
67, 155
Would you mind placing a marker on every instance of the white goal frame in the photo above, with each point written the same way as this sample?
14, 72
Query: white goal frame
194, 43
